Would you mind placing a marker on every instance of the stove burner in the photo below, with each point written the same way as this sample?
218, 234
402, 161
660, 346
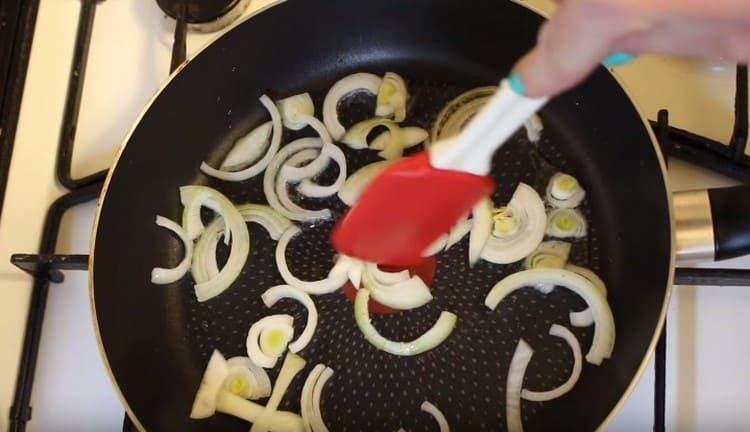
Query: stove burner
204, 15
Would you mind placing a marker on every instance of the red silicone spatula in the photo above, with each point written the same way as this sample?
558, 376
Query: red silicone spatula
417, 199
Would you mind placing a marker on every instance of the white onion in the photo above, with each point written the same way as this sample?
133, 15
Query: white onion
566, 223
245, 368
585, 318
248, 148
481, 229
356, 184
263, 162
345, 86
552, 254
528, 208
516, 372
437, 414
384, 277
356, 137
570, 338
270, 182
292, 173
282, 323
303, 164
534, 127
458, 232
240, 243
314, 190
392, 96
410, 135
456, 108
323, 286
352, 268
293, 110
236, 406
433, 337
274, 294
564, 191
409, 294
604, 327
204, 265
163, 276
317, 423
292, 365
204, 404
306, 402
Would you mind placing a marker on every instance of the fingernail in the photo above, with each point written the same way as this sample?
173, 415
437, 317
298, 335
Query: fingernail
618, 59
516, 83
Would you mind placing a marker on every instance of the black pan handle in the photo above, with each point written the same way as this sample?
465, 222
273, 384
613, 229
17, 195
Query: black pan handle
712, 224
730, 208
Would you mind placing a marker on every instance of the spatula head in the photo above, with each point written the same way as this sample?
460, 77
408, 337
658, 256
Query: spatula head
405, 209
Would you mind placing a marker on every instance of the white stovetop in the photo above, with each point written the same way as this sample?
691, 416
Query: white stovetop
707, 388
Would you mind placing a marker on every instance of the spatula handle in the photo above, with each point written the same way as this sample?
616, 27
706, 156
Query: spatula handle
471, 150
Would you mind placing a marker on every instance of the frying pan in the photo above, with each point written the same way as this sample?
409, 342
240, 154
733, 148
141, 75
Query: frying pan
156, 339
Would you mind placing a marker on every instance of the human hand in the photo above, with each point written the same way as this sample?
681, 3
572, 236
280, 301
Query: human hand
583, 32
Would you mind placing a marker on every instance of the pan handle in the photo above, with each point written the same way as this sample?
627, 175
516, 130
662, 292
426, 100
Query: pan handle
712, 224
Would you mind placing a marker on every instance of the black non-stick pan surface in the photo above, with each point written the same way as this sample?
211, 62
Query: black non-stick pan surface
157, 339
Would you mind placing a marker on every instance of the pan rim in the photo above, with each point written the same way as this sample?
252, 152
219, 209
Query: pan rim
538, 10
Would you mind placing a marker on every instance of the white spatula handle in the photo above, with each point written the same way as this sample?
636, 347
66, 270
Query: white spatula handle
471, 151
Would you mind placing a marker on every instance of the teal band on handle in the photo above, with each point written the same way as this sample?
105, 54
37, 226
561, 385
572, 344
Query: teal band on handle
516, 83
617, 59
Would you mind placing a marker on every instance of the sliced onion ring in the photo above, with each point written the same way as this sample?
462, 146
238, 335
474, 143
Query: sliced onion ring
570, 338
294, 109
437, 415
314, 190
292, 365
585, 318
433, 337
260, 378
604, 327
248, 148
564, 191
345, 86
323, 286
261, 164
163, 276
306, 398
411, 136
409, 294
356, 137
204, 404
392, 96
481, 229
253, 347
274, 294
317, 424
516, 372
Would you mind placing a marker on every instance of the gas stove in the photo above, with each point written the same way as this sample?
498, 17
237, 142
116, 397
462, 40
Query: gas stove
89, 68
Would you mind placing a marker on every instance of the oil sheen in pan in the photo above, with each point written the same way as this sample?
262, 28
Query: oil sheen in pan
465, 376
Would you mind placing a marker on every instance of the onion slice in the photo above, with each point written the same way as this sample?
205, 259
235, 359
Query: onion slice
385, 277
280, 323
564, 191
306, 402
456, 108
516, 372
263, 162
292, 365
248, 149
528, 210
604, 323
163, 276
292, 173
411, 136
314, 190
345, 86
550, 254
352, 268
240, 248
204, 404
458, 232
534, 127
356, 137
274, 294
323, 286
585, 318
356, 184
436, 335
295, 109
437, 414
481, 229
282, 421
409, 294
392, 96
317, 423
270, 182
258, 385
570, 338
566, 223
